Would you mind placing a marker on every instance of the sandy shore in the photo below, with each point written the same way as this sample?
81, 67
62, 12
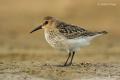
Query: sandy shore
35, 70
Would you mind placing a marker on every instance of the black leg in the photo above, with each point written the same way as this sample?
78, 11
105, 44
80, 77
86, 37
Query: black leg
72, 58
67, 59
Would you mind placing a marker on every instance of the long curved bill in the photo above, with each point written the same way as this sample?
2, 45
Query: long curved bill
39, 27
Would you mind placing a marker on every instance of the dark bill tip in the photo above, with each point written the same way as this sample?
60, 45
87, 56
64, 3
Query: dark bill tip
39, 27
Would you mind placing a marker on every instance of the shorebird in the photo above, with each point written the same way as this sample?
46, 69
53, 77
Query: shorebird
67, 37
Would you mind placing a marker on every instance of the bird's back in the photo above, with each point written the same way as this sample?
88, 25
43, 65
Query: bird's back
71, 31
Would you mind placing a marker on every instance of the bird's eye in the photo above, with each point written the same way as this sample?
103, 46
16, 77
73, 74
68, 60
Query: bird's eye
46, 22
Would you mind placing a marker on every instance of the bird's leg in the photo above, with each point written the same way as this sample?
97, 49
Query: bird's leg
67, 59
72, 58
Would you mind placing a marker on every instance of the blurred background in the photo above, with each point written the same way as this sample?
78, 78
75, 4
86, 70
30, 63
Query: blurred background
19, 17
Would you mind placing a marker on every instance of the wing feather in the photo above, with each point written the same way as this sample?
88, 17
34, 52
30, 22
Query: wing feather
72, 31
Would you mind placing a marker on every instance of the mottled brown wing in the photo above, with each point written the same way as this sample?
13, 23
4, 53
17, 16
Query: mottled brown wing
72, 31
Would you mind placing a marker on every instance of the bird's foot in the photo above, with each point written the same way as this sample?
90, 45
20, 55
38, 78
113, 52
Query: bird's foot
70, 64
65, 64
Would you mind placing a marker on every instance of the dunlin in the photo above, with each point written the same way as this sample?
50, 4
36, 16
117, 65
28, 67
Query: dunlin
64, 36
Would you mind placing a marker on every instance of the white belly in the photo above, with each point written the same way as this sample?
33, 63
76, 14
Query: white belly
77, 43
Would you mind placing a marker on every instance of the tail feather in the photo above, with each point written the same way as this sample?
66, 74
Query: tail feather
97, 34
94, 33
102, 32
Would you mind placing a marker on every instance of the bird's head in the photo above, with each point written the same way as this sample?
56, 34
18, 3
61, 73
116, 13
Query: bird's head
46, 21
